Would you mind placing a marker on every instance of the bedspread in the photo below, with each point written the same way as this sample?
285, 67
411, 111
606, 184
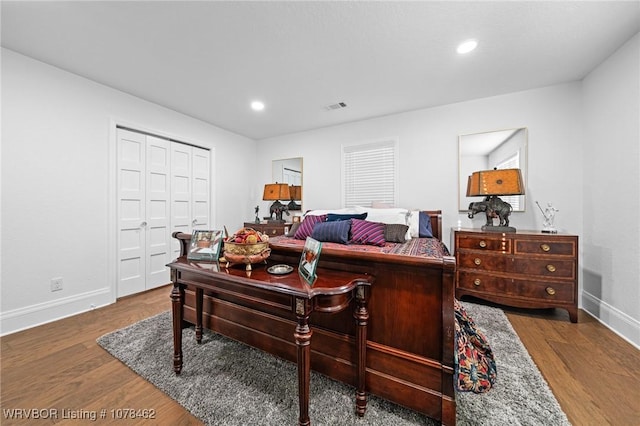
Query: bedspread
474, 361
421, 247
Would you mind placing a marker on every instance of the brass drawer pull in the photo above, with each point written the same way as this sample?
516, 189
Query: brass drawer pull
273, 232
477, 261
551, 268
551, 291
476, 282
545, 247
482, 243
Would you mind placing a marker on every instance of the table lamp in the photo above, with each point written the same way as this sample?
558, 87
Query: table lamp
275, 192
491, 184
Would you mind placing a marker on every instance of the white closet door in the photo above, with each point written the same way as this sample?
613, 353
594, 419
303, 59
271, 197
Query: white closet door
181, 215
158, 208
163, 186
131, 212
201, 188
190, 189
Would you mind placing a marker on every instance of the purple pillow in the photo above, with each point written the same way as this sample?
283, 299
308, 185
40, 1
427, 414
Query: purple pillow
334, 232
306, 227
365, 232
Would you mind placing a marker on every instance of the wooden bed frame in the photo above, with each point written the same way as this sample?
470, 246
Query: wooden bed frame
410, 336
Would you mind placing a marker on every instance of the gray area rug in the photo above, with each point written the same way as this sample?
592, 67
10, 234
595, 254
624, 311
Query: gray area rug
224, 382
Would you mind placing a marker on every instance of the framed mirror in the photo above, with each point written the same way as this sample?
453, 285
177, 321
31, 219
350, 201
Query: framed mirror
289, 170
501, 149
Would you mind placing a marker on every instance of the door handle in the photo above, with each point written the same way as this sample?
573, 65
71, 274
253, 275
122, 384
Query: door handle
194, 222
143, 224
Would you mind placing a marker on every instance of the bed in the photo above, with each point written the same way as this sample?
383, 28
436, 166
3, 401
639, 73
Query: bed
410, 337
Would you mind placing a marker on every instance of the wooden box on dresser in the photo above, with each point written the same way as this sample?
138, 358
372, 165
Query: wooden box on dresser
524, 269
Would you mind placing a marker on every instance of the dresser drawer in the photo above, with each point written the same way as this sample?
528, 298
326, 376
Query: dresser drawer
551, 267
474, 242
271, 229
559, 248
549, 290
483, 261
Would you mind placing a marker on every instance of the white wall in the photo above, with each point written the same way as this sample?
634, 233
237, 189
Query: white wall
428, 150
57, 185
611, 191
429, 162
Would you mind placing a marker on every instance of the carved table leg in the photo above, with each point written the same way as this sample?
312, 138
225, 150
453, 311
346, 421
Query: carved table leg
303, 342
177, 302
361, 315
199, 297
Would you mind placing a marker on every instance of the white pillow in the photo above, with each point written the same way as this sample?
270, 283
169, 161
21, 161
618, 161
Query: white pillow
348, 210
414, 223
388, 216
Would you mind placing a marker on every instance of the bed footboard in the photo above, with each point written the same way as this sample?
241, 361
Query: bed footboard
410, 333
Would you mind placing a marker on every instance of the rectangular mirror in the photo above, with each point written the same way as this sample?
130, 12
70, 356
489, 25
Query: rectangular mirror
289, 170
501, 149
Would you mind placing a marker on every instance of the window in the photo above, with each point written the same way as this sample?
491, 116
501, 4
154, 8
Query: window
369, 173
512, 162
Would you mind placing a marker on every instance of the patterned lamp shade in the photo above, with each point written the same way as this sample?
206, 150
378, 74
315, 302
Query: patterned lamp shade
276, 191
495, 182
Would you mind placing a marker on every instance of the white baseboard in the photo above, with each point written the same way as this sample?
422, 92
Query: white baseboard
43, 313
620, 323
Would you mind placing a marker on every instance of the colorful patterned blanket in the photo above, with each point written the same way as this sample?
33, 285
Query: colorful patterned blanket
474, 362
421, 247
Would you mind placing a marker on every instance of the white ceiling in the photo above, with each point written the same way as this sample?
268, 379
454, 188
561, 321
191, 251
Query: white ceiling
209, 59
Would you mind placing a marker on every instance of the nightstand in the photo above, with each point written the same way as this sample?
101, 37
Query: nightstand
525, 269
271, 229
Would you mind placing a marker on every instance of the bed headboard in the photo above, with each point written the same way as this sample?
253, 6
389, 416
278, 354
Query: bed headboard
436, 222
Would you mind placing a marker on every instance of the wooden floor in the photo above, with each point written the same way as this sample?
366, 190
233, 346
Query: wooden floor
593, 373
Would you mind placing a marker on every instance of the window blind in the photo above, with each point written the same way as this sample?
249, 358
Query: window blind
369, 173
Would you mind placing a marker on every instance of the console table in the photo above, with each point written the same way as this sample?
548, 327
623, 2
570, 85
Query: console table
332, 292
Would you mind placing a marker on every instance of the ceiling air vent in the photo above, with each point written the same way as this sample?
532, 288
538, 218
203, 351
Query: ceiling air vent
339, 105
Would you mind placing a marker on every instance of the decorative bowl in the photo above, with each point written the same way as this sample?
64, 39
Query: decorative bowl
246, 253
245, 248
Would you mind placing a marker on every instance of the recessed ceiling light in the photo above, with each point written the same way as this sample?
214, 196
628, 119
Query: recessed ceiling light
467, 46
257, 106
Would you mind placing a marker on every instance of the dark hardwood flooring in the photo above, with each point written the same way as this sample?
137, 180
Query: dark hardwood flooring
593, 373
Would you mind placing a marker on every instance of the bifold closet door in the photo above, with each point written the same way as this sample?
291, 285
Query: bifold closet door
163, 186
190, 189
158, 209
144, 211
144, 233
132, 216
200, 179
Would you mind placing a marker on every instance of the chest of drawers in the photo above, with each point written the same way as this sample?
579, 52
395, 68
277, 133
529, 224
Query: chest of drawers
521, 269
